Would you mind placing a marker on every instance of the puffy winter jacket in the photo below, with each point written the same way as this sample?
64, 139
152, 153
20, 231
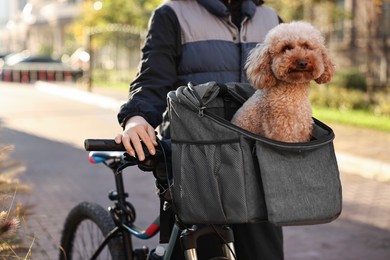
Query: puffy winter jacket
195, 41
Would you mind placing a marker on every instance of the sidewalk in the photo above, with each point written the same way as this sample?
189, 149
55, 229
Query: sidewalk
363, 151
363, 229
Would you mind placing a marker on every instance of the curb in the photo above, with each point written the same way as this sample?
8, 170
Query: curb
79, 95
365, 167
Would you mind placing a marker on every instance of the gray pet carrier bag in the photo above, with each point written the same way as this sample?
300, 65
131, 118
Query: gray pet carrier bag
223, 174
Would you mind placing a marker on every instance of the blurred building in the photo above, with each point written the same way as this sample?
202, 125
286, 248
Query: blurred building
40, 26
37, 25
360, 37
11, 25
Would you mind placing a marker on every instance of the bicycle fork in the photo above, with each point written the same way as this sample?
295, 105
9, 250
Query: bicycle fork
190, 236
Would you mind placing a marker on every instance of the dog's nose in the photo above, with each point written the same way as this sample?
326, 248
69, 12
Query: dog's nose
301, 64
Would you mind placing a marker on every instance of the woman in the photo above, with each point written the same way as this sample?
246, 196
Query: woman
197, 41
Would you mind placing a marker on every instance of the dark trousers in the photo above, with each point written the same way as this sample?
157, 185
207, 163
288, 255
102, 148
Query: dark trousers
258, 241
255, 241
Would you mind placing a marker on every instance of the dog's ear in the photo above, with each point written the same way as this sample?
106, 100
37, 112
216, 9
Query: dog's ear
258, 68
329, 68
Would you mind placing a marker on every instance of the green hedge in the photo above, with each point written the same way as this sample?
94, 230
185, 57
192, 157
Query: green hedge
348, 91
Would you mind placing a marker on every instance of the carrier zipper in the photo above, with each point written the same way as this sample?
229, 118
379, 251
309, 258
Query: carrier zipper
201, 111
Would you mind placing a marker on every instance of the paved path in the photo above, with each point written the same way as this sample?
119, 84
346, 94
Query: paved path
363, 229
361, 232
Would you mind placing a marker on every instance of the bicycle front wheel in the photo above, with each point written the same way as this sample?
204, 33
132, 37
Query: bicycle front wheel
85, 228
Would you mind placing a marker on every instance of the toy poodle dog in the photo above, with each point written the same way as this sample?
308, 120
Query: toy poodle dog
281, 69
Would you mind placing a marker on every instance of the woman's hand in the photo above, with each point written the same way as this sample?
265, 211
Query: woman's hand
137, 130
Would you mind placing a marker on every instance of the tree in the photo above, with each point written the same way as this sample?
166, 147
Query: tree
323, 12
130, 12
100, 13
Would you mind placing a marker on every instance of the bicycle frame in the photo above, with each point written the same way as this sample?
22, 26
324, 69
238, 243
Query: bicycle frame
123, 214
124, 225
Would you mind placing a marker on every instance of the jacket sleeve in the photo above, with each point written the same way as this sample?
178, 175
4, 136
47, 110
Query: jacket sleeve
157, 74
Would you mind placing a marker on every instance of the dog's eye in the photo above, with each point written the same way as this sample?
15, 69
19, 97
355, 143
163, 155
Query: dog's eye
287, 48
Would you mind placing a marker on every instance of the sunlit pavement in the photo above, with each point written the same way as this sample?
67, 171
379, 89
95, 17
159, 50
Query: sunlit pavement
363, 229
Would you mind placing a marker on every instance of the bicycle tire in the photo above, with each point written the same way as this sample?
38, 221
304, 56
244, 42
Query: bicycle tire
85, 227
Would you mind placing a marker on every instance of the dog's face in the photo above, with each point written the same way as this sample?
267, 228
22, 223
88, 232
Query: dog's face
296, 61
292, 53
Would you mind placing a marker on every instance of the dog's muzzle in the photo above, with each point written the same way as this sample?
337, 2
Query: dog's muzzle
301, 64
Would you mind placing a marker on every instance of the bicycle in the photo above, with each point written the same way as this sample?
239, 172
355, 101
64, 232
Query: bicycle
92, 232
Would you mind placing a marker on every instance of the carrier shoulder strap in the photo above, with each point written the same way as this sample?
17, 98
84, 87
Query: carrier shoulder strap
229, 97
227, 101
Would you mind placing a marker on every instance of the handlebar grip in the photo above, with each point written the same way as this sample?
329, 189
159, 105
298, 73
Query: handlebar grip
102, 145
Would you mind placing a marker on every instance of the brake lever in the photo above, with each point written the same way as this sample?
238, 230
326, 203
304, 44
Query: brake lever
150, 161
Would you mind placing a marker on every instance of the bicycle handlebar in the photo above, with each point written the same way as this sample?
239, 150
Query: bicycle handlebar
103, 145
109, 145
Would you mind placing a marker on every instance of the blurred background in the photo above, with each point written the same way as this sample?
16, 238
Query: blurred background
65, 68
97, 43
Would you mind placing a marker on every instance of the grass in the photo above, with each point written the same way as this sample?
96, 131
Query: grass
114, 85
357, 118
11, 213
118, 79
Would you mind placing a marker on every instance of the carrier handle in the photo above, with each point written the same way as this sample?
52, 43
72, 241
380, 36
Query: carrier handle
196, 95
190, 96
